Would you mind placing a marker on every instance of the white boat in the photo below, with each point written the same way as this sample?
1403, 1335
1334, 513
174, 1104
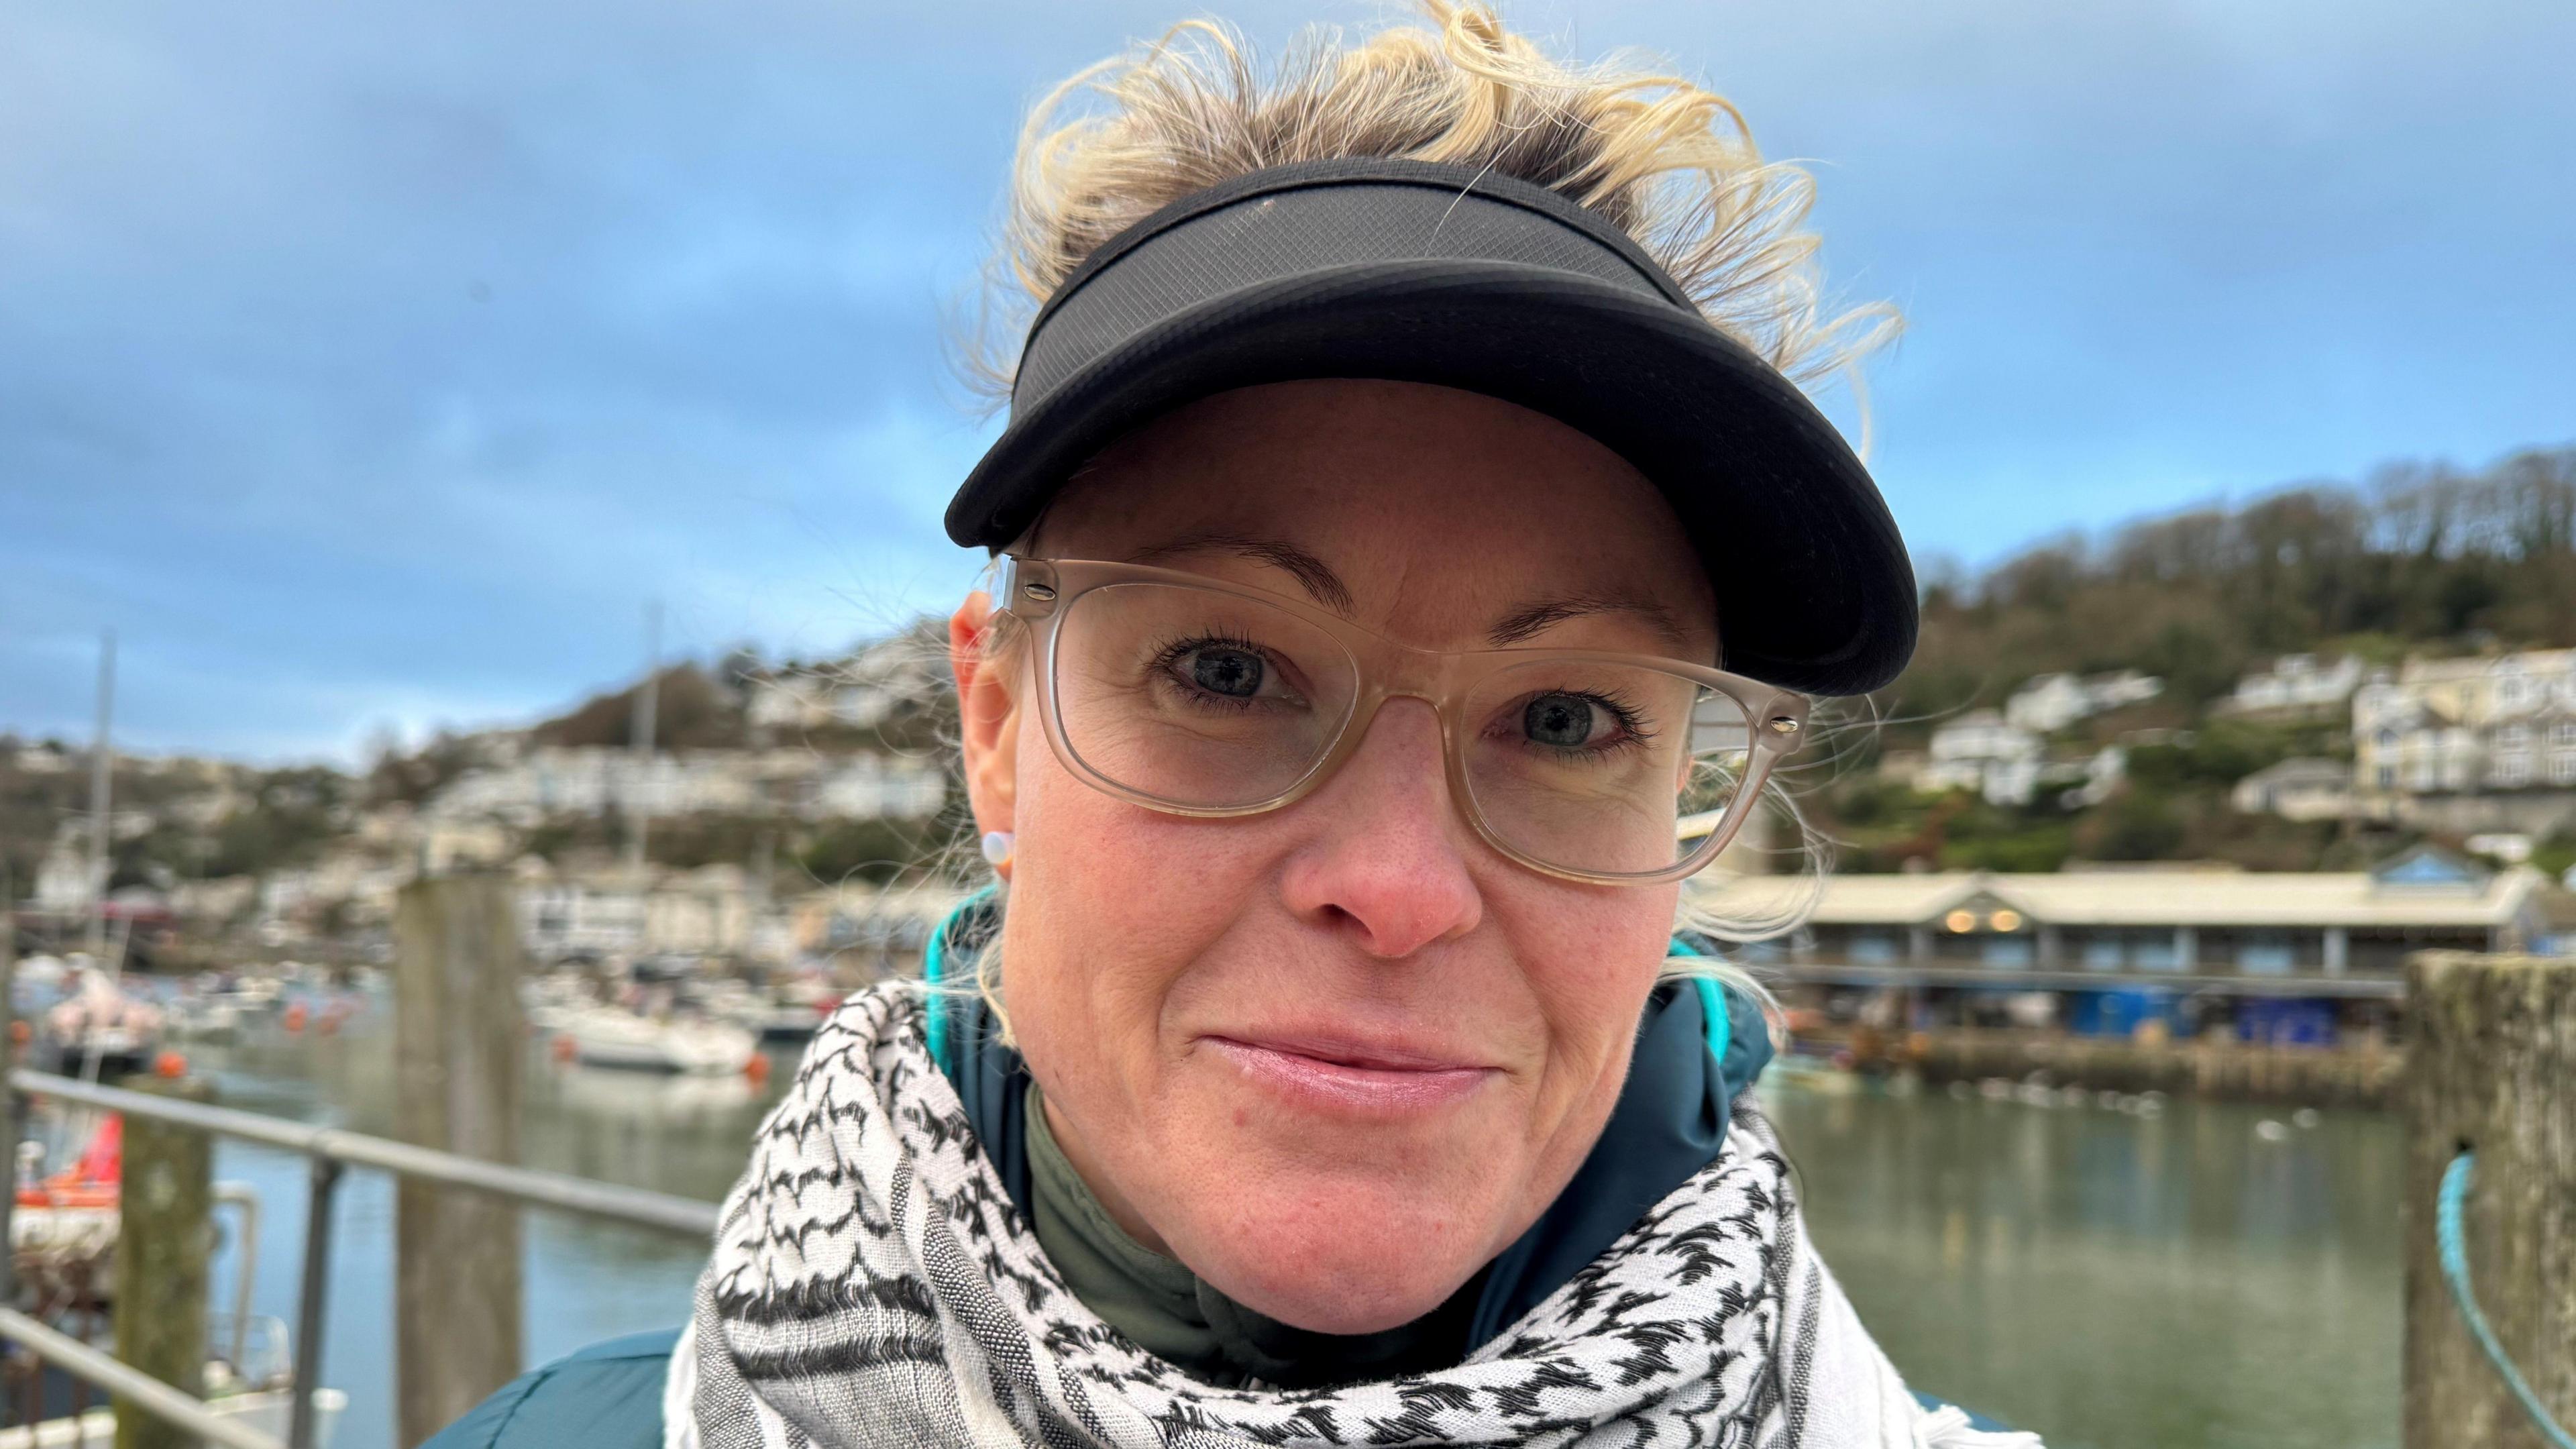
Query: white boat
552, 1002
603, 1036
205, 1018
101, 1027
43, 972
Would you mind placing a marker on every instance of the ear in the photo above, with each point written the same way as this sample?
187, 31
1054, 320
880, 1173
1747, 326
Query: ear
988, 714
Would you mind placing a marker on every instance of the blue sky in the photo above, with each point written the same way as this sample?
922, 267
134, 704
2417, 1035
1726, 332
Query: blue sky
371, 367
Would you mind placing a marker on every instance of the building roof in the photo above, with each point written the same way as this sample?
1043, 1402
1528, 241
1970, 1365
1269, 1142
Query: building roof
2162, 897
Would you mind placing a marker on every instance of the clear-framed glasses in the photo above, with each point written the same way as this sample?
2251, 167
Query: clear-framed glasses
1194, 696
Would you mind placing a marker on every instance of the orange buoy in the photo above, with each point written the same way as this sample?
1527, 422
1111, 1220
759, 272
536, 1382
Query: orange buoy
757, 1069
170, 1066
564, 1049
20, 1033
295, 1016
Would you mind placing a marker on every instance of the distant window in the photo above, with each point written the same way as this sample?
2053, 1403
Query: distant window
2562, 769
2514, 737
2265, 953
2562, 734
2514, 691
2387, 739
2388, 777
2009, 952
2513, 770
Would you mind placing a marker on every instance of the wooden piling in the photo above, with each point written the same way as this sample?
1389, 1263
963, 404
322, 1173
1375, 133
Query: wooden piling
165, 1240
2491, 1068
457, 1063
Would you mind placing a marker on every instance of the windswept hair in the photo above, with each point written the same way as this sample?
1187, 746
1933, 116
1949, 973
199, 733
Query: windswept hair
1670, 162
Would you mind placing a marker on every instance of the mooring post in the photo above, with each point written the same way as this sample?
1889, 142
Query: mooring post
165, 1240
2491, 1071
457, 1059
11, 1132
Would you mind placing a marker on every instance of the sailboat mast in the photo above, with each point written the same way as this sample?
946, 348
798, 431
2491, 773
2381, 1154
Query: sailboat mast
640, 741
99, 763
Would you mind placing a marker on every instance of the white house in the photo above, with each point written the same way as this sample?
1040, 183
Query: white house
1982, 751
857, 692
2302, 789
63, 880
2051, 702
602, 780
2296, 683
2457, 726
708, 911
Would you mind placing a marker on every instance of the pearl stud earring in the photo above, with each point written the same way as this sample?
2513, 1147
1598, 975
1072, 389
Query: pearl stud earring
997, 847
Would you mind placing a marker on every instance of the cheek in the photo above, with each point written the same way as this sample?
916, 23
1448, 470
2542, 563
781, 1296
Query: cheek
1110, 904
1591, 955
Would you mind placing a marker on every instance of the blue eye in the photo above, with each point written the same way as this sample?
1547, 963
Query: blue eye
1234, 673
1563, 721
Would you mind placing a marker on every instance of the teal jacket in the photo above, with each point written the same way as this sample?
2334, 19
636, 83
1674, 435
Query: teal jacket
608, 1396
1698, 1047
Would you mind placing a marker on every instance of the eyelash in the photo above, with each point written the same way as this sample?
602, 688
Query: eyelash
1171, 654
1633, 732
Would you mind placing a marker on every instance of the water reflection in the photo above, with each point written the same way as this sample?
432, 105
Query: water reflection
585, 1280
2115, 1280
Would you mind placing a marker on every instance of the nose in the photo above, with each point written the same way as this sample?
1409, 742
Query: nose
1386, 863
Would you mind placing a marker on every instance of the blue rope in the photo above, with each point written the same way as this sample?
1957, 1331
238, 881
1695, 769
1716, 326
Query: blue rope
2452, 1241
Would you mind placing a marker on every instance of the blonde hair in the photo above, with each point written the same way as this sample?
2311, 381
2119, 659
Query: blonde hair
1671, 163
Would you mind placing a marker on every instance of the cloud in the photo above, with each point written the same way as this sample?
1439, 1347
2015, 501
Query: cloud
366, 364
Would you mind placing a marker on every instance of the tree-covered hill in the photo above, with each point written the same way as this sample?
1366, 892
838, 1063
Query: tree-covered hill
2418, 559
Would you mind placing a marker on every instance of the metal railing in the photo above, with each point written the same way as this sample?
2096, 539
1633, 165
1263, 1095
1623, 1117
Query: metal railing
331, 1150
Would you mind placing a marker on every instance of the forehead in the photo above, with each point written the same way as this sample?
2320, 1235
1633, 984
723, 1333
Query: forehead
1438, 511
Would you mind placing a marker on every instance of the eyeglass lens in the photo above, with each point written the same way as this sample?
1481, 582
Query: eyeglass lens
1207, 700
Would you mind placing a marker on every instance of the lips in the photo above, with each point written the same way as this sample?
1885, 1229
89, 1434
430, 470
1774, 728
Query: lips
1351, 1077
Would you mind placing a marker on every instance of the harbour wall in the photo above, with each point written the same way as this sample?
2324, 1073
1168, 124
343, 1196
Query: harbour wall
2365, 1075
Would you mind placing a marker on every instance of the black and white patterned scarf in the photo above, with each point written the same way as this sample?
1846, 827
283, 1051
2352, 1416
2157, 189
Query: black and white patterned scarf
874, 1288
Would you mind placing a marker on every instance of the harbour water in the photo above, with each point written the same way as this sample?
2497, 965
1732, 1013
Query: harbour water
2217, 1276
586, 1280
2195, 1278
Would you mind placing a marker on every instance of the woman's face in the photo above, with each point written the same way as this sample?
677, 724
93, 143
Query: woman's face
1335, 1057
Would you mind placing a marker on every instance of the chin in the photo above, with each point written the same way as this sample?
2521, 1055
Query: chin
1346, 1258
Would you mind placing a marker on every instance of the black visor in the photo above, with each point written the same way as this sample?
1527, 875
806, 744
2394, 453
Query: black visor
1411, 272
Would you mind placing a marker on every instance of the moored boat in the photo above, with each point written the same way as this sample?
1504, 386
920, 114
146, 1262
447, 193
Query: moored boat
607, 1037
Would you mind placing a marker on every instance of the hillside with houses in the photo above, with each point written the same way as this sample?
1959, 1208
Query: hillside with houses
779, 812
2317, 680
2321, 680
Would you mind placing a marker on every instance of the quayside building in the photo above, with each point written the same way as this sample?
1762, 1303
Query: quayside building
2288, 957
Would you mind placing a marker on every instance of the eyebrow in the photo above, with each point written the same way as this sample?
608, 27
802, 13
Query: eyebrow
1312, 574
1524, 623
1325, 587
